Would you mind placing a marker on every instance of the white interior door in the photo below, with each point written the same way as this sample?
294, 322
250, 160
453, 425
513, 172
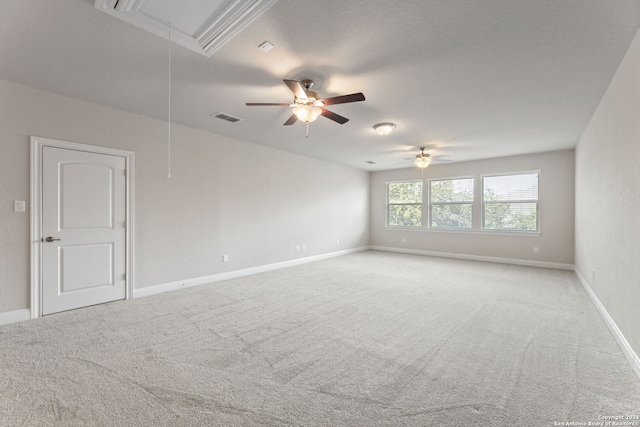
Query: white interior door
83, 229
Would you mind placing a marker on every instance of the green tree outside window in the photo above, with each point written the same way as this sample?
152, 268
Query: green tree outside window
451, 203
510, 202
404, 204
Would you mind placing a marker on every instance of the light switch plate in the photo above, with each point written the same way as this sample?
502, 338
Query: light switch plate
19, 205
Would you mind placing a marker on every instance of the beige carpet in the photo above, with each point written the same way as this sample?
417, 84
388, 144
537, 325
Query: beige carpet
369, 339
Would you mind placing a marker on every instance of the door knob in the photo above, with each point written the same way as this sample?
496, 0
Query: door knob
51, 239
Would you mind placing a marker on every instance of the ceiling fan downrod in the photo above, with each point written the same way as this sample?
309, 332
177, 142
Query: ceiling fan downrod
307, 84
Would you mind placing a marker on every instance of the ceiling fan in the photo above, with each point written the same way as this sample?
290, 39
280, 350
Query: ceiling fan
307, 105
423, 159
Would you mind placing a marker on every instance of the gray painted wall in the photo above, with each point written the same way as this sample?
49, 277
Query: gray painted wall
608, 199
556, 197
225, 196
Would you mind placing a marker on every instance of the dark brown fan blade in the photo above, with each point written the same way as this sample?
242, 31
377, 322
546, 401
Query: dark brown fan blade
253, 104
291, 120
343, 99
296, 88
333, 116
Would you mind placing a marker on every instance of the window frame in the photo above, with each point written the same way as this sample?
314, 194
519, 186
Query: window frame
421, 205
471, 203
483, 203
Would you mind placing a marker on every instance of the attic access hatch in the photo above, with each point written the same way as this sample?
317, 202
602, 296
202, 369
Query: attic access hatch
200, 25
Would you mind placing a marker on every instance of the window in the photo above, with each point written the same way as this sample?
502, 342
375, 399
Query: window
404, 204
510, 202
451, 203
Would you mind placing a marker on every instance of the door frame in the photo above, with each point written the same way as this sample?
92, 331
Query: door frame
36, 213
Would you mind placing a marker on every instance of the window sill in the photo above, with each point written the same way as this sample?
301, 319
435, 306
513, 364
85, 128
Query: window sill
483, 232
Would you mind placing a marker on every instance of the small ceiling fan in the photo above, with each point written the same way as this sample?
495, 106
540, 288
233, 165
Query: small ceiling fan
423, 159
307, 105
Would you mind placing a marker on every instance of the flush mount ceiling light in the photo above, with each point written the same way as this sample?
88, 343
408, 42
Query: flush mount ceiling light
384, 128
202, 26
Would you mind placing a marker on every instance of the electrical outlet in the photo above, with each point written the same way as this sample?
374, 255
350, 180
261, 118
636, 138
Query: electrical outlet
338, 242
225, 258
304, 248
535, 249
297, 248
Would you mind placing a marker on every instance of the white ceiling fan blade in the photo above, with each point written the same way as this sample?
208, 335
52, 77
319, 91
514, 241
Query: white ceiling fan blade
441, 159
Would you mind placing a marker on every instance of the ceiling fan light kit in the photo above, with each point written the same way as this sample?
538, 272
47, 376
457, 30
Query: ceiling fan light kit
422, 160
384, 128
307, 113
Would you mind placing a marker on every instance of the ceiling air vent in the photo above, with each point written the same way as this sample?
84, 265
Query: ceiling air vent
202, 26
226, 117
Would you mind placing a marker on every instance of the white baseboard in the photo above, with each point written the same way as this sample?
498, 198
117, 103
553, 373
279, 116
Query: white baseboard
197, 281
15, 316
628, 352
525, 262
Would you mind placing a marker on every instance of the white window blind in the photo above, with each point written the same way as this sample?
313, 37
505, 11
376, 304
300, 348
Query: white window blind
451, 203
510, 202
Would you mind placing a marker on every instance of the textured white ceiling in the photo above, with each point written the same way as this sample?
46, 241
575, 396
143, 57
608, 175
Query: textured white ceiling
470, 79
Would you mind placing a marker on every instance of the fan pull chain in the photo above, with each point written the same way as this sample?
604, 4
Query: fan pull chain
307, 135
169, 113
